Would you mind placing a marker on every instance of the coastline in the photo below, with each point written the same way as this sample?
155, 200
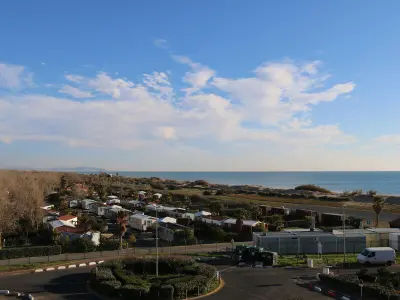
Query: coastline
231, 179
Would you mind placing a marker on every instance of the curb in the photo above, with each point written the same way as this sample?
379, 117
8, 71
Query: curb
52, 268
221, 285
56, 268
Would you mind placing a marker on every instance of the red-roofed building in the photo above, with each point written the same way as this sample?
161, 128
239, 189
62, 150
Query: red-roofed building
69, 218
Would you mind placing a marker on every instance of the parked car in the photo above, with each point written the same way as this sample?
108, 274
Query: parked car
377, 256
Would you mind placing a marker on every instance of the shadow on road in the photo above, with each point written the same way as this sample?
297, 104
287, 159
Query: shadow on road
71, 286
268, 285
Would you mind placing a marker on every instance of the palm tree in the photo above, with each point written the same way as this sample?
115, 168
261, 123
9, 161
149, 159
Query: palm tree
378, 203
121, 228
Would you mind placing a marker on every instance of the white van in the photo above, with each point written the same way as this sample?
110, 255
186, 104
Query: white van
377, 256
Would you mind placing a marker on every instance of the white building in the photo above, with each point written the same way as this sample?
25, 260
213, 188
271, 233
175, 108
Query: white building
112, 211
167, 220
141, 221
181, 213
201, 214
86, 202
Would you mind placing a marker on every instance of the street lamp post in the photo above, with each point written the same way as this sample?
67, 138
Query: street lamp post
344, 235
361, 284
156, 240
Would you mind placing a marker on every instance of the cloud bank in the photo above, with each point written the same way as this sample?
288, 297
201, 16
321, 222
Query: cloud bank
211, 116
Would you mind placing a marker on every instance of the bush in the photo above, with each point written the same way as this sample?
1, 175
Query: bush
207, 193
349, 284
108, 288
166, 291
312, 188
179, 277
130, 291
219, 193
157, 185
104, 274
10, 253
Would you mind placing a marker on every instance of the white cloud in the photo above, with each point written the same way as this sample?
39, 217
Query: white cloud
264, 112
14, 77
75, 92
389, 139
198, 78
74, 78
161, 43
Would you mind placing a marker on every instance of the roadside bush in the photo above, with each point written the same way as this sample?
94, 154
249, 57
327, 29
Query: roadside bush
219, 193
107, 288
10, 253
207, 193
104, 274
130, 291
349, 284
312, 188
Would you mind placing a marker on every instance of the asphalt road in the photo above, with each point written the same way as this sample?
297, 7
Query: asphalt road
55, 285
240, 283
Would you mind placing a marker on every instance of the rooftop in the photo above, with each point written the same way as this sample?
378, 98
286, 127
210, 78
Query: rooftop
245, 222
67, 217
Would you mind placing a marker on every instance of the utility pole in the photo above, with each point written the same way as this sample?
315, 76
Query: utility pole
344, 235
156, 240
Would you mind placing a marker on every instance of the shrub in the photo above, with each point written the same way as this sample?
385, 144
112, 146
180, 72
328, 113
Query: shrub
107, 288
349, 284
157, 185
30, 252
207, 193
312, 188
166, 291
104, 274
219, 193
130, 291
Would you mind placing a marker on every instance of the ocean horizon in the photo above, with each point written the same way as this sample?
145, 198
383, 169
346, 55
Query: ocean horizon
384, 182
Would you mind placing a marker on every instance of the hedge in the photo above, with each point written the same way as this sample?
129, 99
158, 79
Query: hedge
131, 278
108, 288
10, 253
349, 284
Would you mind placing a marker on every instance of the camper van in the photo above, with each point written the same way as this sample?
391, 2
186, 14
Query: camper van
377, 256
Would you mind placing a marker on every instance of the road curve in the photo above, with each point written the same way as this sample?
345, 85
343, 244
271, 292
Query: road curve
53, 285
251, 284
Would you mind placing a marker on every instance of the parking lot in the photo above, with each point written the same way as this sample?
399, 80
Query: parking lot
266, 284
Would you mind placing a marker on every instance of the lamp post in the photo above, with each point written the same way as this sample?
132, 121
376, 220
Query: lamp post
344, 235
155, 206
361, 285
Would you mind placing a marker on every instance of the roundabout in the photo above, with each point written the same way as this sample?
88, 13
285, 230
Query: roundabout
147, 278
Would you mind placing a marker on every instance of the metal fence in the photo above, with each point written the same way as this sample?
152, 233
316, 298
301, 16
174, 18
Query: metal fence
119, 253
301, 245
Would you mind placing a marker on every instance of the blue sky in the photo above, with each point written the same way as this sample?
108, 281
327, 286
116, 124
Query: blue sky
207, 85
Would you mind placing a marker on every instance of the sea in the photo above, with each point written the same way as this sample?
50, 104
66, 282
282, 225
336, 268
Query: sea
386, 183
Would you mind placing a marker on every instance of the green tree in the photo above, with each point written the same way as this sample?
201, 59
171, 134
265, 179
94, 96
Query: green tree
215, 207
242, 214
378, 203
101, 189
218, 234
132, 240
64, 184
277, 221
